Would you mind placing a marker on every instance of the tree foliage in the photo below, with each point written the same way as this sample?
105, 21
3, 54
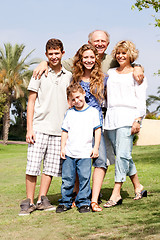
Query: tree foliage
155, 99
141, 4
14, 78
2, 103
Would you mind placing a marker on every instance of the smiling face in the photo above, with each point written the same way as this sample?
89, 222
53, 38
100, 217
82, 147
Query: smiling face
88, 59
122, 56
100, 41
54, 57
77, 99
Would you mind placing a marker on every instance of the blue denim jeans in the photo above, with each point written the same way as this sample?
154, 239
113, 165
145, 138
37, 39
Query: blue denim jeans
122, 141
69, 168
101, 161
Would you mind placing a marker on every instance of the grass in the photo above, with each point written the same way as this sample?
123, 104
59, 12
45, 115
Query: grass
132, 220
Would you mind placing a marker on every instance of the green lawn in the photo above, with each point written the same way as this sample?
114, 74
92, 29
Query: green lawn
132, 220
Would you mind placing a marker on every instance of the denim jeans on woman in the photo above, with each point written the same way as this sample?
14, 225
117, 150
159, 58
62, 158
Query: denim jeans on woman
122, 142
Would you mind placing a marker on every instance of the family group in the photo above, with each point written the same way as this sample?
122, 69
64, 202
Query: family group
69, 132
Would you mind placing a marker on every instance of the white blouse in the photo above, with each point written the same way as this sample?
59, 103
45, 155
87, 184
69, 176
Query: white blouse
126, 100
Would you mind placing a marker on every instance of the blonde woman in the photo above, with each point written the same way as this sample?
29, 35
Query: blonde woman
125, 111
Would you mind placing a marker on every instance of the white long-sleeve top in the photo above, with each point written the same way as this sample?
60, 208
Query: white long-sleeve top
126, 100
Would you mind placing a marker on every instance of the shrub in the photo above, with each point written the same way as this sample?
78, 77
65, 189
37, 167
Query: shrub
135, 139
152, 116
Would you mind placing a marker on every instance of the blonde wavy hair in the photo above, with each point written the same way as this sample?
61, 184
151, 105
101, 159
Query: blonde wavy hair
96, 77
129, 47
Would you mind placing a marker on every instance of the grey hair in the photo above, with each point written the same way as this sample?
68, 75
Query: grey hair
91, 34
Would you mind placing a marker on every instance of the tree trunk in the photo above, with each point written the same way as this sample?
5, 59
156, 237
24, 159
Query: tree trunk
6, 122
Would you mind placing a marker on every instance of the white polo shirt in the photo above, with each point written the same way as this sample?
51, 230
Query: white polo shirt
51, 103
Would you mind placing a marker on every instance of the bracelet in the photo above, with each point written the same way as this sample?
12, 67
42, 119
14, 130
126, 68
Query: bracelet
137, 65
138, 121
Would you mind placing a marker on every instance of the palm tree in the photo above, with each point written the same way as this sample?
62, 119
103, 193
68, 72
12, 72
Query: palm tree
154, 99
14, 78
2, 101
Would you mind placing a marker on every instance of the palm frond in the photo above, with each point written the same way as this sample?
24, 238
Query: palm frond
14, 70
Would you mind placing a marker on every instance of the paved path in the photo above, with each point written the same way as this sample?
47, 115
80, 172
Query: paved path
14, 142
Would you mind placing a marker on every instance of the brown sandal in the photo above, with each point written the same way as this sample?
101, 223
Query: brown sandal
95, 207
73, 199
73, 204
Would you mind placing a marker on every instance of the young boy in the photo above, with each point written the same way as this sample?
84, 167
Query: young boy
47, 105
76, 149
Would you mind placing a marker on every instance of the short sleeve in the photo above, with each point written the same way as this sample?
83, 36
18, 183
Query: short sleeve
96, 122
65, 124
34, 84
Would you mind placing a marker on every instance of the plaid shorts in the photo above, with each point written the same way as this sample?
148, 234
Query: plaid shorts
46, 148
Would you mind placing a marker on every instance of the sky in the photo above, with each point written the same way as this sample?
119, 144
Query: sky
33, 22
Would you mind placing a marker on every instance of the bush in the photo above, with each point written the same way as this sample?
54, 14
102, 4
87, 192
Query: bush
135, 139
152, 116
17, 133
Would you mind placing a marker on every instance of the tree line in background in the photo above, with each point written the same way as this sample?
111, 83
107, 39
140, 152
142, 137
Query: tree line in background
14, 78
152, 99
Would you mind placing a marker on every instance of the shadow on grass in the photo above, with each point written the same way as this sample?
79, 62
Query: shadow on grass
148, 225
52, 198
106, 193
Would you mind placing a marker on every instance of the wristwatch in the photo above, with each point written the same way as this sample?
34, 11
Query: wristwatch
138, 121
137, 65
